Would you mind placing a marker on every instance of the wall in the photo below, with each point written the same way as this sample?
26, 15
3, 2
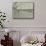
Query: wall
39, 14
17, 35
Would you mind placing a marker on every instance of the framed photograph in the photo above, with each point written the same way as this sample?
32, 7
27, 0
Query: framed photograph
23, 10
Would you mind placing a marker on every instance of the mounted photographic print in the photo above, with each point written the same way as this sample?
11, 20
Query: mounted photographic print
23, 10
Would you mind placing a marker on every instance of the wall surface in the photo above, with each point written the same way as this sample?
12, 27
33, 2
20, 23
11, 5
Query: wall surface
18, 35
39, 14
